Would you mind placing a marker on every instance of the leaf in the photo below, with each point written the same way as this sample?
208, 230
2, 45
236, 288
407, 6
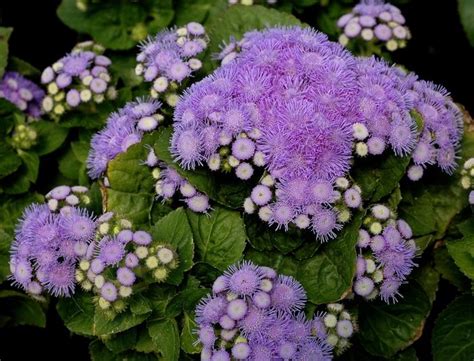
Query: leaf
122, 341
386, 329
31, 162
117, 27
5, 241
20, 309
22, 67
50, 137
328, 275
189, 342
77, 313
174, 230
462, 252
131, 185
466, 12
452, 338
445, 265
197, 10
4, 36
186, 300
12, 208
428, 278
219, 237
430, 206
165, 335
378, 182
10, 160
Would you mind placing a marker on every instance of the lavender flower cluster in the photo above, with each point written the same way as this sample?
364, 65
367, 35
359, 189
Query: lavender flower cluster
26, 95
118, 258
372, 21
256, 314
297, 105
78, 78
467, 179
334, 206
170, 57
123, 129
49, 240
386, 254
169, 183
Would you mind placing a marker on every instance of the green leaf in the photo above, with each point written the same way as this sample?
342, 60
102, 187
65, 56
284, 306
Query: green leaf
197, 10
5, 241
328, 275
462, 252
174, 230
428, 278
445, 265
118, 27
189, 342
77, 313
186, 300
131, 185
50, 137
122, 341
22, 67
20, 309
10, 160
219, 236
452, 338
31, 162
12, 208
386, 329
378, 182
165, 335
429, 207
466, 12
4, 36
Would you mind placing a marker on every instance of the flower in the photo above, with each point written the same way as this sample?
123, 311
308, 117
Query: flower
79, 77
374, 21
252, 314
121, 132
26, 95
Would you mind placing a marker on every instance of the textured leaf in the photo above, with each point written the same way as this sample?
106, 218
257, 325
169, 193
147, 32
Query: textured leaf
50, 137
462, 252
4, 36
466, 12
10, 160
452, 338
165, 334
447, 268
31, 162
386, 329
188, 337
12, 208
20, 309
174, 230
219, 237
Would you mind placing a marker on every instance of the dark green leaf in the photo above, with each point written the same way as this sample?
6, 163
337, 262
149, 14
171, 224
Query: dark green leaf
466, 12
165, 334
462, 252
50, 137
219, 237
452, 338
20, 309
188, 337
10, 161
386, 329
4, 36
447, 268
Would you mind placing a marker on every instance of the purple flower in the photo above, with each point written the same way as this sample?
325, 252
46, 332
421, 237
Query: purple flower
125, 276
210, 310
244, 279
78, 225
111, 250
25, 94
109, 292
288, 294
59, 278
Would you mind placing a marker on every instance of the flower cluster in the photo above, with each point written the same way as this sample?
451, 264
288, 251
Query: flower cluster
26, 95
374, 21
255, 314
467, 180
170, 57
442, 131
336, 326
49, 240
169, 183
299, 106
23, 136
386, 255
118, 258
123, 129
331, 209
78, 78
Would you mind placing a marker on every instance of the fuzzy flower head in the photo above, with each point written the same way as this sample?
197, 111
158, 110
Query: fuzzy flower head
374, 22
252, 314
387, 255
124, 128
170, 57
26, 95
80, 77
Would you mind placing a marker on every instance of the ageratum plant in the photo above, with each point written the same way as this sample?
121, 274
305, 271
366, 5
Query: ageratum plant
220, 181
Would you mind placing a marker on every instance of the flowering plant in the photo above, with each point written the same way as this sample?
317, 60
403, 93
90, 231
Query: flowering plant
228, 183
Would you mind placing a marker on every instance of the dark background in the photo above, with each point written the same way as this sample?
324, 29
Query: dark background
439, 51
